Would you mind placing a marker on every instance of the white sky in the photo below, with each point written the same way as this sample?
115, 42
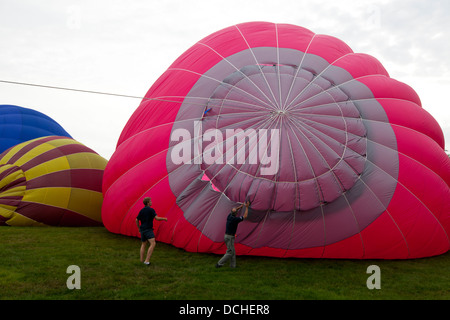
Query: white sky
122, 47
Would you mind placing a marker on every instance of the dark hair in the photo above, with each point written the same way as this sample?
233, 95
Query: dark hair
146, 200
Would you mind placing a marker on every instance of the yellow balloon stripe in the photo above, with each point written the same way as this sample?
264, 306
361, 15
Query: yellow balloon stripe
11, 153
10, 178
14, 192
57, 197
20, 220
5, 167
7, 211
53, 165
84, 160
86, 202
42, 148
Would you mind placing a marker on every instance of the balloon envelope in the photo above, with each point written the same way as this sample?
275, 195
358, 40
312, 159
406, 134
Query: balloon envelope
338, 159
19, 124
53, 181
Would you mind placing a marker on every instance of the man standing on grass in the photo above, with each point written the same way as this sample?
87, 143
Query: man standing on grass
146, 216
230, 235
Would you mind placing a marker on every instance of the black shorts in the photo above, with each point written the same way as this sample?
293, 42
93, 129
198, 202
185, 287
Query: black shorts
147, 234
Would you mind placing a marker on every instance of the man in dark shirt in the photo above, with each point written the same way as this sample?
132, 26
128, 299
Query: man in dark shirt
146, 216
230, 234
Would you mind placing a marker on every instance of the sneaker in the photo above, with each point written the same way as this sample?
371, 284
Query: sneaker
218, 265
147, 263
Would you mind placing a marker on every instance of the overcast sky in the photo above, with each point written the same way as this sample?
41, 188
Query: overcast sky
122, 47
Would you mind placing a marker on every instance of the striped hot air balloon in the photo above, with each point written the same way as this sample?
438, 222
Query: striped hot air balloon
54, 181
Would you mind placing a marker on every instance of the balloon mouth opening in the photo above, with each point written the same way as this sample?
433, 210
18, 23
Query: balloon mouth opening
279, 112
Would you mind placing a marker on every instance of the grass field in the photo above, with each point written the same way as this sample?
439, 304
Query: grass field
34, 261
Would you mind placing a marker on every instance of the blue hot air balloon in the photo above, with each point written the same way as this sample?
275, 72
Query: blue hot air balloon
19, 124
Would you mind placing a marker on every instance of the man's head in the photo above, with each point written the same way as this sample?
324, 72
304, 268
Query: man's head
233, 212
147, 201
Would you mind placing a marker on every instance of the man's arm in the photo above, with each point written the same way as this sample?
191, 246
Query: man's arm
247, 204
160, 218
137, 223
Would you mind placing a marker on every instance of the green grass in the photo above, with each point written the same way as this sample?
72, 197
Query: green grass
34, 261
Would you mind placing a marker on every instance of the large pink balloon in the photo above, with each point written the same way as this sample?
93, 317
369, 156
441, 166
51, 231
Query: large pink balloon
338, 159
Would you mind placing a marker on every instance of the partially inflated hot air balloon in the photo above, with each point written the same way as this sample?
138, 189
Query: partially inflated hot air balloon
19, 124
53, 181
338, 159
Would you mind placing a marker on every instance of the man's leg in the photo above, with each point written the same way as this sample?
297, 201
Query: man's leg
229, 242
233, 254
152, 243
142, 251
